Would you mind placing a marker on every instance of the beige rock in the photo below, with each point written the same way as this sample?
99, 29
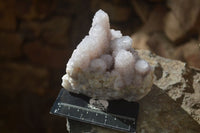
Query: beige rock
181, 18
185, 11
155, 42
140, 40
180, 82
172, 27
190, 52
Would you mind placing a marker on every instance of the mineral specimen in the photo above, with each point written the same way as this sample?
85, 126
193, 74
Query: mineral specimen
105, 66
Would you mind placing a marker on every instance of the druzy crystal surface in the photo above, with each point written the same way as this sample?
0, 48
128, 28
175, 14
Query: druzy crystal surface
105, 66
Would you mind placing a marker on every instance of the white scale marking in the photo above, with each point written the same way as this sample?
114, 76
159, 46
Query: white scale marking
105, 121
81, 117
100, 113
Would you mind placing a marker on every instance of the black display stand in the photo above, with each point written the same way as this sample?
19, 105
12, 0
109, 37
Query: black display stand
119, 115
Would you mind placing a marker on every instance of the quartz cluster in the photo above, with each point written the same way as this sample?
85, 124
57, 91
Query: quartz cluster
105, 66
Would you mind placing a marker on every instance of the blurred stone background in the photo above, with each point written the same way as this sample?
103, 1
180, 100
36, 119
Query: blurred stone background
38, 37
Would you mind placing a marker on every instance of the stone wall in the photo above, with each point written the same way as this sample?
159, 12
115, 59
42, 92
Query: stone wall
37, 38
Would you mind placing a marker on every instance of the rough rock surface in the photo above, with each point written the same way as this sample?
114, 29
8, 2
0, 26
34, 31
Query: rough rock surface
180, 82
105, 66
181, 18
190, 52
172, 106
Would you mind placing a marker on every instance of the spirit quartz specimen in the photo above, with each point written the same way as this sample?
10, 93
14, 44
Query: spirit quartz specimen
105, 66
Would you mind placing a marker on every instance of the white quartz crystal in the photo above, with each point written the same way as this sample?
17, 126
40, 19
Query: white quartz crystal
105, 66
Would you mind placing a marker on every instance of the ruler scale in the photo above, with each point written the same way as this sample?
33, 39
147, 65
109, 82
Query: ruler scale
119, 115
